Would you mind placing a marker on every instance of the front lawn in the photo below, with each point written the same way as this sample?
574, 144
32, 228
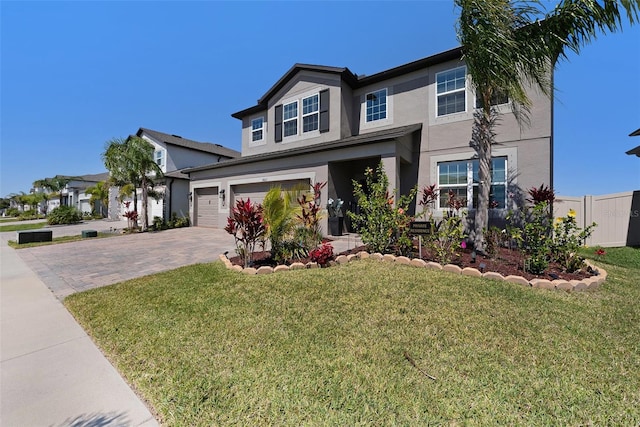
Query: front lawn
208, 346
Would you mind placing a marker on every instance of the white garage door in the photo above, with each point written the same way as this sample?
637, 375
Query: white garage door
207, 207
257, 191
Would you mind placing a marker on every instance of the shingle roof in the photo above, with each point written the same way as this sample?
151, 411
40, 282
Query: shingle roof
353, 80
179, 141
367, 138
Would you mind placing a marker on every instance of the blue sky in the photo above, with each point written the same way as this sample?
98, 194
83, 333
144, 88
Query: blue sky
76, 74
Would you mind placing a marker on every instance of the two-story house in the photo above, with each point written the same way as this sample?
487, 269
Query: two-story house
173, 154
319, 123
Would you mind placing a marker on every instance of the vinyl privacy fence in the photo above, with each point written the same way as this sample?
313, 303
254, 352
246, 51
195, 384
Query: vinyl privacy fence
617, 216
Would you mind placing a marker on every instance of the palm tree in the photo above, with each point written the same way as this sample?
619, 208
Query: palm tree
280, 210
130, 161
99, 193
507, 48
54, 185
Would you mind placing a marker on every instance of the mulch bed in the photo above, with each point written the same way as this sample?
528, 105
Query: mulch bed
506, 262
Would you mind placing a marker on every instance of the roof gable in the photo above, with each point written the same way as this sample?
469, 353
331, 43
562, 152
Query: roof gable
179, 141
347, 76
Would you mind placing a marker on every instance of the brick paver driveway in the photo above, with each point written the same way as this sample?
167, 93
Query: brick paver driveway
73, 267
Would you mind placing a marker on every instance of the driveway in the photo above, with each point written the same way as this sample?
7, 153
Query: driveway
77, 266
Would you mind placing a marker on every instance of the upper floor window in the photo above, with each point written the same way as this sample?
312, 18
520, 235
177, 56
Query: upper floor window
257, 129
498, 98
376, 105
310, 109
461, 178
451, 93
290, 118
158, 156
310, 113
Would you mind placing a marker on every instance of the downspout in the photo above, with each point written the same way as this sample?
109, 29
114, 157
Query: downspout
170, 199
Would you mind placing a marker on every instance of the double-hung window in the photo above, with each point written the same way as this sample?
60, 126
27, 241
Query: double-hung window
498, 98
461, 178
376, 105
158, 157
310, 113
451, 91
290, 118
257, 129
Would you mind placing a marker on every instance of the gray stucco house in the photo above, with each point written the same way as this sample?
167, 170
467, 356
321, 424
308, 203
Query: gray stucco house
173, 153
319, 123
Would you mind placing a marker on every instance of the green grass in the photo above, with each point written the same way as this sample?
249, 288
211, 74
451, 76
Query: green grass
623, 257
57, 240
207, 346
22, 227
9, 219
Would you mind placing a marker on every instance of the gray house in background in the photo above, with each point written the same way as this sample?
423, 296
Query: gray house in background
173, 154
319, 123
74, 193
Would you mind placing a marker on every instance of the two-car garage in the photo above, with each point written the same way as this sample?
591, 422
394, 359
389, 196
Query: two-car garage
208, 203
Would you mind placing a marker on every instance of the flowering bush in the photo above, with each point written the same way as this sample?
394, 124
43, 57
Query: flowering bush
382, 227
322, 254
246, 225
567, 238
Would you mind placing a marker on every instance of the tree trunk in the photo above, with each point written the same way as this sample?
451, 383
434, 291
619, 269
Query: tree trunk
482, 140
145, 197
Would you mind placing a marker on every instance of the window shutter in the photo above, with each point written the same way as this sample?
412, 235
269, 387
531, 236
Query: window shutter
278, 122
324, 110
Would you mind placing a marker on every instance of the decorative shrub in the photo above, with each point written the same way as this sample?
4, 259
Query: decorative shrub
159, 224
12, 212
132, 219
493, 238
64, 215
567, 238
447, 235
382, 227
247, 227
322, 254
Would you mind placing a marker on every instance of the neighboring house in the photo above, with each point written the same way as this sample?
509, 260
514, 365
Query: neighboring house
319, 123
73, 194
173, 153
635, 151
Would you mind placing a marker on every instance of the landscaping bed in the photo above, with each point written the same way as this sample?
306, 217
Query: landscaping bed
506, 262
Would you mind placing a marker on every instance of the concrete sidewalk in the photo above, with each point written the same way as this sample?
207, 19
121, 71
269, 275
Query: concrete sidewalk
51, 372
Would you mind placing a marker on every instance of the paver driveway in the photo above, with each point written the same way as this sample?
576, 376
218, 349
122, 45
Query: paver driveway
73, 267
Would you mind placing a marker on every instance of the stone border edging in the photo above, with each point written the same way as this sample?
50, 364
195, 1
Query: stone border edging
587, 284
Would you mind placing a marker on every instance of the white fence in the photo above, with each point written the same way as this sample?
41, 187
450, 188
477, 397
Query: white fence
617, 216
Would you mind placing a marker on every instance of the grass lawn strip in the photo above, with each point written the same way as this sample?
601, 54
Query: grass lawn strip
208, 346
22, 227
57, 240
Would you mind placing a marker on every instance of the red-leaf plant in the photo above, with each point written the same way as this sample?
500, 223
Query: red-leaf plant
322, 254
247, 227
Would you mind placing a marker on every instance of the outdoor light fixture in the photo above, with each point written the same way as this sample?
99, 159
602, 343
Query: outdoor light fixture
222, 196
482, 267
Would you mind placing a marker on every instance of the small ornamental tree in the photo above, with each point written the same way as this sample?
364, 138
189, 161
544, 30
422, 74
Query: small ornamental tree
245, 224
382, 226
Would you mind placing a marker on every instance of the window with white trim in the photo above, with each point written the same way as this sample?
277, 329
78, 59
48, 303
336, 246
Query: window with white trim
257, 129
461, 178
290, 119
158, 157
310, 113
451, 91
376, 105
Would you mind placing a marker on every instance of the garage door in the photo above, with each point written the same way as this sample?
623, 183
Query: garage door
257, 191
207, 207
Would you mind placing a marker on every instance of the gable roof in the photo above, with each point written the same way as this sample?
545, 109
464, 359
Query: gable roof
367, 138
179, 141
350, 78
